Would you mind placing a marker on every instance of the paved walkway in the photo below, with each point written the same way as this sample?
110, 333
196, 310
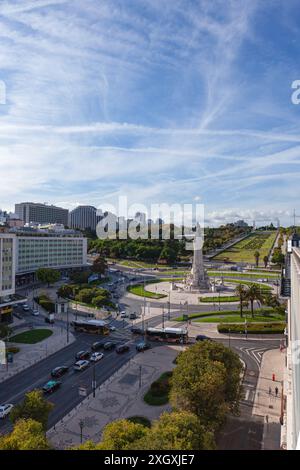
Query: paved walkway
266, 403
119, 397
30, 354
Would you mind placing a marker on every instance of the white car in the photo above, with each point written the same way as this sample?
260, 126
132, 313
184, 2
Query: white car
96, 356
26, 308
35, 313
5, 409
81, 365
123, 314
112, 328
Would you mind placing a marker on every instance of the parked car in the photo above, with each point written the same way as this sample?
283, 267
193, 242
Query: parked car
5, 410
122, 348
82, 355
142, 346
35, 313
81, 365
137, 331
26, 308
51, 386
123, 314
59, 371
112, 328
97, 345
109, 345
202, 338
96, 356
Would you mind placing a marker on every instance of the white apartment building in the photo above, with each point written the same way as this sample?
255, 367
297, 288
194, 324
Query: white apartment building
56, 251
291, 434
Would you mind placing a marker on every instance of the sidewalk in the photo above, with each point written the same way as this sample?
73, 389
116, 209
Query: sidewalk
121, 396
30, 354
268, 405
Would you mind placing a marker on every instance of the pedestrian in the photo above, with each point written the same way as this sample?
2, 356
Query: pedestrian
267, 419
276, 391
270, 390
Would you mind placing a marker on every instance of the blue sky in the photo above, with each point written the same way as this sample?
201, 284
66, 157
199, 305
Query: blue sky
160, 100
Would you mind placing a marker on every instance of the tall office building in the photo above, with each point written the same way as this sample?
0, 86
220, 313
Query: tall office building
84, 217
7, 275
36, 213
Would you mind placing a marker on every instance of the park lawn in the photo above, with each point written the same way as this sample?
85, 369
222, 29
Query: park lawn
265, 312
139, 290
228, 298
264, 287
237, 319
31, 336
243, 251
242, 275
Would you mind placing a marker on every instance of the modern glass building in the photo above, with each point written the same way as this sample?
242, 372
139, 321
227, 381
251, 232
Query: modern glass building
84, 217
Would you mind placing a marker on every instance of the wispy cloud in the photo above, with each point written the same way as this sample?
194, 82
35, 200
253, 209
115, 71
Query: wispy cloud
156, 100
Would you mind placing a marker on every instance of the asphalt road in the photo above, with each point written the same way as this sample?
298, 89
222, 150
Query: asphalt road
67, 397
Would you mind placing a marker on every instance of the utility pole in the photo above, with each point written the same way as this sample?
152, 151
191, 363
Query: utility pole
81, 425
163, 317
68, 324
94, 384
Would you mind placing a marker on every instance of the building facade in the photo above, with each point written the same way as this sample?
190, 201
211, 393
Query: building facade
291, 439
56, 251
31, 212
7, 275
84, 218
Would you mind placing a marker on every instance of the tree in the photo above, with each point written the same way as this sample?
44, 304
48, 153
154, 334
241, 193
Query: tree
266, 260
278, 256
120, 434
34, 406
4, 331
26, 435
65, 291
47, 275
99, 265
241, 292
252, 294
256, 256
176, 431
206, 382
270, 300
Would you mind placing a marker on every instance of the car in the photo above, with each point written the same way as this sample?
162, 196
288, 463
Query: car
142, 346
202, 338
51, 386
5, 410
25, 308
123, 314
81, 365
35, 313
82, 355
137, 331
59, 371
132, 316
96, 356
122, 348
112, 328
97, 345
109, 345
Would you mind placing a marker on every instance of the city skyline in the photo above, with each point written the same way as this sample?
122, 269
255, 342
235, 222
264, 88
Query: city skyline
189, 102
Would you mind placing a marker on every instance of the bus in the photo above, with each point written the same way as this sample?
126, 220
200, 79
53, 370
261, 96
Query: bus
98, 327
170, 335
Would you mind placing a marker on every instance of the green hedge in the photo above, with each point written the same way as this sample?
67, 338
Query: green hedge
46, 303
252, 328
158, 394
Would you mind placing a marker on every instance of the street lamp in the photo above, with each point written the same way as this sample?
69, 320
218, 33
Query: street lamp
81, 425
94, 383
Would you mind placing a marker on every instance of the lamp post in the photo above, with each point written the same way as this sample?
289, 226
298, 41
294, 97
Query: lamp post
68, 324
81, 425
94, 383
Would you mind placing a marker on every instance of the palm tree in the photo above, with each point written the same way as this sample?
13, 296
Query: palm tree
241, 293
256, 256
253, 293
266, 259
